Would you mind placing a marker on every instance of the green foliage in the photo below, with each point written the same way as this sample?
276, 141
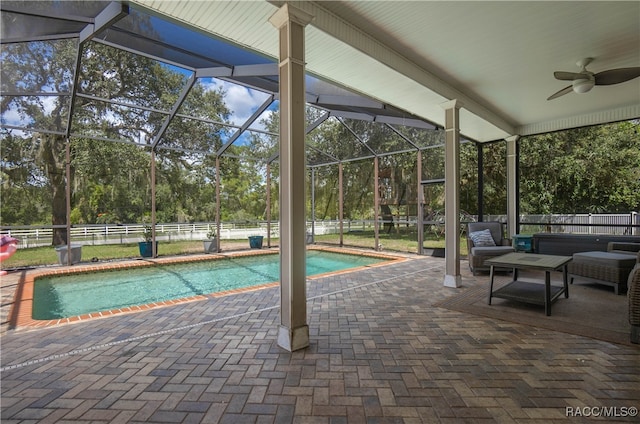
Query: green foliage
147, 233
593, 169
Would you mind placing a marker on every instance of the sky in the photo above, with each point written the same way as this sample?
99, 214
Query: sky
241, 101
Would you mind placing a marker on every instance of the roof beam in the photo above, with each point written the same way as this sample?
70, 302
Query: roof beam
260, 70
74, 88
407, 122
351, 101
352, 115
215, 72
109, 15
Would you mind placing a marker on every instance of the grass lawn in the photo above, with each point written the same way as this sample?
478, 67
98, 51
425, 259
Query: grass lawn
46, 255
39, 256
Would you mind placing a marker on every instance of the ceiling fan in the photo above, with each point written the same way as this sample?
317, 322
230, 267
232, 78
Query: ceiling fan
584, 80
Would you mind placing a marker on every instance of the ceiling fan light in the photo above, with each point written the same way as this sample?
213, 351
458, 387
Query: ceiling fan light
583, 85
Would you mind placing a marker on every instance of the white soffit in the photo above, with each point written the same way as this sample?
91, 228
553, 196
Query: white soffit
370, 68
505, 53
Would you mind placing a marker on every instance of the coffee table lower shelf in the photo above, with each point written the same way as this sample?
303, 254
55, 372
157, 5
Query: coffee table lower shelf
527, 292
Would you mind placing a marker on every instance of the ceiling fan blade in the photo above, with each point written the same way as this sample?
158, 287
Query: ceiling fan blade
567, 76
616, 76
562, 92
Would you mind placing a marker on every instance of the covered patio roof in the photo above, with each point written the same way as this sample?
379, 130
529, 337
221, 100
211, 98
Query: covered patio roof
200, 57
376, 60
497, 58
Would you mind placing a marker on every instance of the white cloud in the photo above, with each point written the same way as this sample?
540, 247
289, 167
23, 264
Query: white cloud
12, 116
241, 101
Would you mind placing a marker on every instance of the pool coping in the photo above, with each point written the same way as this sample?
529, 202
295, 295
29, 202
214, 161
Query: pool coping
20, 315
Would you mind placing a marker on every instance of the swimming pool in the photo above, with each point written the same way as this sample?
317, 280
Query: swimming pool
64, 296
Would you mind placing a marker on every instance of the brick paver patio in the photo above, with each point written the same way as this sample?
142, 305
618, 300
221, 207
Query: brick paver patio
380, 352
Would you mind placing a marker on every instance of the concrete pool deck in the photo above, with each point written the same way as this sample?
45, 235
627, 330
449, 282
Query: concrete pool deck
380, 352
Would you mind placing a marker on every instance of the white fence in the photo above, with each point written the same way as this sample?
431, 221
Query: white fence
32, 236
617, 224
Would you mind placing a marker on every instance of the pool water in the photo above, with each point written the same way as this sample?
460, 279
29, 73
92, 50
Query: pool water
77, 294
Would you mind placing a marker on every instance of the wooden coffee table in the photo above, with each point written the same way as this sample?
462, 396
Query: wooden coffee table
528, 291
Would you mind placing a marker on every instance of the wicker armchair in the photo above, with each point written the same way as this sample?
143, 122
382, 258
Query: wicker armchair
633, 285
478, 254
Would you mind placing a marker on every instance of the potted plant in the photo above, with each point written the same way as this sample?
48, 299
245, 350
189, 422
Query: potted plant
145, 246
211, 242
255, 242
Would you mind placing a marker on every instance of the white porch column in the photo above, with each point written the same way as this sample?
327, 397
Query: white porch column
293, 333
512, 184
452, 276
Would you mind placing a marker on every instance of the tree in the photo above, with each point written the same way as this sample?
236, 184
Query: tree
591, 169
113, 176
23, 71
594, 169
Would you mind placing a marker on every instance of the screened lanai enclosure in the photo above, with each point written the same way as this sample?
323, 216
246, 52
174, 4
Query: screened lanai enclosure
133, 119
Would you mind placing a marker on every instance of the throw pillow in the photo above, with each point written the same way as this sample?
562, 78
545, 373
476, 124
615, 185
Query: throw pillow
482, 238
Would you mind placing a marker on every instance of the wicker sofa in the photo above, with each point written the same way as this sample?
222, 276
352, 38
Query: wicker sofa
634, 301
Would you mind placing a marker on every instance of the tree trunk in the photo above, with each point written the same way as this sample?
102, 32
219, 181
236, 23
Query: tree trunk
52, 153
59, 209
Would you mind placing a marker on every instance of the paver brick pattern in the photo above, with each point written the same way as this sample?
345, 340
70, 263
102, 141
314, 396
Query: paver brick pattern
380, 353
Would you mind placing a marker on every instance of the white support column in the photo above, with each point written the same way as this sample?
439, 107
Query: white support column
512, 192
293, 333
452, 276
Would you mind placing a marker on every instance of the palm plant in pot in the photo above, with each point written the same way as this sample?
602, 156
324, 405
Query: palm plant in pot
211, 242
